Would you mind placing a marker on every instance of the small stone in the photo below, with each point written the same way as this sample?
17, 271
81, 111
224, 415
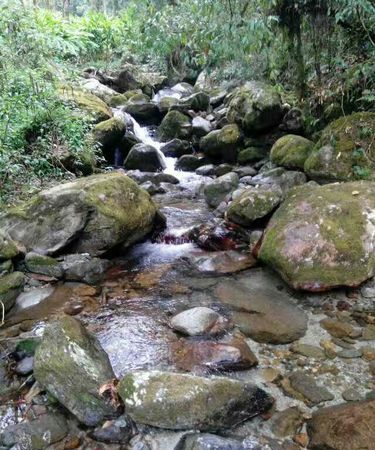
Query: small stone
195, 321
349, 353
368, 353
341, 343
309, 389
368, 333
287, 422
73, 308
310, 351
117, 431
270, 375
25, 366
339, 329
329, 348
351, 395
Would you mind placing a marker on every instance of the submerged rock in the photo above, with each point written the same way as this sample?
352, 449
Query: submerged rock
345, 151
255, 107
91, 215
195, 321
291, 151
71, 365
349, 426
322, 236
181, 401
144, 158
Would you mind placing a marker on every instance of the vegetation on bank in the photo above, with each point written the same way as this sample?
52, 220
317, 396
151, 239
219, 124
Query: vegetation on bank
319, 53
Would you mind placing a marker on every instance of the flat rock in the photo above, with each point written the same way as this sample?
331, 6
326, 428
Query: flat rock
195, 321
309, 389
183, 402
349, 426
260, 310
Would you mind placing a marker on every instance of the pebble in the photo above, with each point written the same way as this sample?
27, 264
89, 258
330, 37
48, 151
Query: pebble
351, 395
310, 351
350, 353
309, 389
339, 329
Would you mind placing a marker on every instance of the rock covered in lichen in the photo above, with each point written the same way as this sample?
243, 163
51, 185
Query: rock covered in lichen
222, 144
345, 151
71, 365
11, 286
91, 215
291, 151
174, 125
255, 107
181, 401
322, 237
216, 190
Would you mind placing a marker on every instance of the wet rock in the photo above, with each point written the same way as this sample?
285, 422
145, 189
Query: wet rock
368, 353
38, 434
195, 321
222, 169
255, 107
181, 401
154, 177
10, 287
176, 148
117, 431
205, 441
108, 135
206, 171
216, 190
33, 297
287, 422
174, 125
71, 365
44, 265
321, 237
144, 158
310, 391
339, 328
230, 354
253, 204
201, 126
152, 188
190, 163
260, 310
350, 353
250, 155
348, 426
291, 151
82, 267
345, 149
199, 101
183, 88
368, 333
91, 215
25, 366
221, 263
245, 171
222, 145
351, 395
284, 179
310, 351
144, 111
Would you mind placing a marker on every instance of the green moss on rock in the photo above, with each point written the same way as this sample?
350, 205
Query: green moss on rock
222, 145
291, 151
345, 151
86, 101
174, 125
11, 286
250, 155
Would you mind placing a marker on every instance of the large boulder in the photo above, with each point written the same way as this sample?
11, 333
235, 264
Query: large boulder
322, 237
11, 286
349, 426
255, 107
176, 148
291, 151
182, 402
216, 190
91, 215
86, 101
144, 158
174, 125
143, 110
71, 365
95, 87
253, 204
345, 151
222, 145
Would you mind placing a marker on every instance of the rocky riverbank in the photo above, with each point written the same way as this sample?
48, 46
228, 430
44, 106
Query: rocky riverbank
210, 287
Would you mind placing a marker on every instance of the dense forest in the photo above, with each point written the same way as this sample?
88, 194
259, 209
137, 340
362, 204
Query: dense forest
187, 224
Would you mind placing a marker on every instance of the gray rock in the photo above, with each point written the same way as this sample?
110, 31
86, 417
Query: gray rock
37, 434
176, 148
44, 265
181, 401
10, 287
25, 366
216, 190
201, 126
154, 177
144, 158
223, 144
195, 321
189, 163
351, 395
207, 170
222, 169
117, 431
205, 441
71, 365
82, 267
309, 389
349, 353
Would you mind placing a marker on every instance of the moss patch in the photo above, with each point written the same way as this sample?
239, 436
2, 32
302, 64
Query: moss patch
291, 151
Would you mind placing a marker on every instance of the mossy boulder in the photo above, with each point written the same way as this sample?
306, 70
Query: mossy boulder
345, 151
217, 190
8, 248
174, 125
183, 402
118, 100
199, 101
86, 101
108, 134
222, 145
251, 155
291, 151
44, 265
11, 286
90, 215
253, 204
72, 366
321, 237
255, 107
95, 87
